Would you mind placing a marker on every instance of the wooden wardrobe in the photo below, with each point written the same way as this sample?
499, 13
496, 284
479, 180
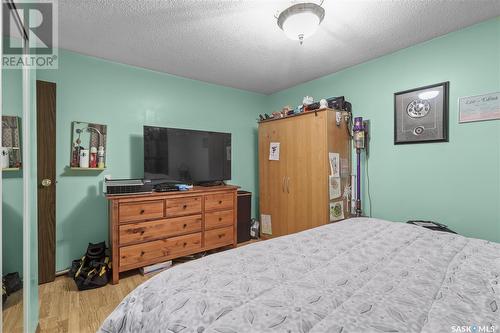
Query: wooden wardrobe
294, 190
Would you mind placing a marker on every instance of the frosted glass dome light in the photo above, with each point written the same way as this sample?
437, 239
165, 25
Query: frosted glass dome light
301, 20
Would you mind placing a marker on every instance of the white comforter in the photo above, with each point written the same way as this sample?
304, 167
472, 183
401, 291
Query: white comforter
359, 275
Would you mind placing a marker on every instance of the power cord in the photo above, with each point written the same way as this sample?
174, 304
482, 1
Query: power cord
367, 174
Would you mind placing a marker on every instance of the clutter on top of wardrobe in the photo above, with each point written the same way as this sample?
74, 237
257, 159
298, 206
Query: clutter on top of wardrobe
10, 148
88, 146
308, 105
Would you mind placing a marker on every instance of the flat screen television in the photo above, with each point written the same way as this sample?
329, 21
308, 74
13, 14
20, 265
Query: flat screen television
187, 156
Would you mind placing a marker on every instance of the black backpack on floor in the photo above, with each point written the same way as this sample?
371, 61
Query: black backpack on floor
10, 284
93, 269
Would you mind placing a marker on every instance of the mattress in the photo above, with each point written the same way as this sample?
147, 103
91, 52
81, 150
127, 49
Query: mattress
358, 275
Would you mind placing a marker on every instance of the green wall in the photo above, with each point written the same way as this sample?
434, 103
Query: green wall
126, 98
456, 183
12, 189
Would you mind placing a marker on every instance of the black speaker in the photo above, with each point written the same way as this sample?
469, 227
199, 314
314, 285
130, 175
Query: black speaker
244, 218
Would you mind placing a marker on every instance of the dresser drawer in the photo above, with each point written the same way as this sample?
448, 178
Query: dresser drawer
146, 231
219, 237
183, 206
145, 253
219, 201
143, 210
218, 219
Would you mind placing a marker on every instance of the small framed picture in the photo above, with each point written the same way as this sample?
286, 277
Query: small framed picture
421, 114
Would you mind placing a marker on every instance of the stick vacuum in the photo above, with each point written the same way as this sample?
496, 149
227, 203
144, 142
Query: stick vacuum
359, 143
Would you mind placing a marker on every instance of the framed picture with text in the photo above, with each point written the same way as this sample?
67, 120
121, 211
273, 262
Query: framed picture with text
421, 114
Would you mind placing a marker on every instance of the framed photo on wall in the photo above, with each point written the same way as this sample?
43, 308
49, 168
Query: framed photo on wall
421, 114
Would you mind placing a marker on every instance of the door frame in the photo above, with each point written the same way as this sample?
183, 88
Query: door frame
27, 196
1, 178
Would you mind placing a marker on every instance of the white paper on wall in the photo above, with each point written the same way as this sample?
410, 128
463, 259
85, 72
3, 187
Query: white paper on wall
344, 168
335, 187
336, 210
274, 151
265, 221
334, 164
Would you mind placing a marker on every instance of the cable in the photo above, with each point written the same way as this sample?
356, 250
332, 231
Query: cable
367, 174
19, 23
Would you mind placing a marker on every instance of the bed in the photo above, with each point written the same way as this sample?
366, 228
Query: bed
358, 275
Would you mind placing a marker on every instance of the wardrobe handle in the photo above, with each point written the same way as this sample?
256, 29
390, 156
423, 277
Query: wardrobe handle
283, 185
288, 184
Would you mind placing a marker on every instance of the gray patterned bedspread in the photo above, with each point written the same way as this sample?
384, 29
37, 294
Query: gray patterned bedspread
358, 275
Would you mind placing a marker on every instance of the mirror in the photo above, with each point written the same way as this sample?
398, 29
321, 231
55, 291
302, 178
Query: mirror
12, 201
10, 147
88, 146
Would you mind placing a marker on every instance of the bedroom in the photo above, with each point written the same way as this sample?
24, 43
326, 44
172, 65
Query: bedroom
215, 67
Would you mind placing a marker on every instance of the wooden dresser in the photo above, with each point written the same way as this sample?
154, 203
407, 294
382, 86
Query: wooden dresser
146, 229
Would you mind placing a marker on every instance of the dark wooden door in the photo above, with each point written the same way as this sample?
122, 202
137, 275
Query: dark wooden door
46, 162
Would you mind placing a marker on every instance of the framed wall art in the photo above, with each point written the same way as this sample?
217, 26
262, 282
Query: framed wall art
479, 108
421, 114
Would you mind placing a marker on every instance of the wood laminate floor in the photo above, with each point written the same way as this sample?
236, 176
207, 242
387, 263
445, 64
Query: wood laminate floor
12, 313
65, 309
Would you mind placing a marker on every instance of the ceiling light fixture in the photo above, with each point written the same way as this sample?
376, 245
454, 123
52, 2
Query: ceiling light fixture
301, 20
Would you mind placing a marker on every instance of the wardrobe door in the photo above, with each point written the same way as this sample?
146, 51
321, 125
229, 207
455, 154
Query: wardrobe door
272, 175
285, 216
307, 173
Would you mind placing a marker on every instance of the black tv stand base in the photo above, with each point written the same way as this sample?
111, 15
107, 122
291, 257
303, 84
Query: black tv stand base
215, 183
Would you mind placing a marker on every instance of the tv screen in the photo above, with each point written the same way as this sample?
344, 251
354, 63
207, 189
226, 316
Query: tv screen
181, 155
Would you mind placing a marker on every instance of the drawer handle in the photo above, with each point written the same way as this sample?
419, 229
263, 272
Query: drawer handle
220, 218
185, 206
220, 202
142, 211
185, 225
185, 244
138, 231
142, 232
142, 253
221, 235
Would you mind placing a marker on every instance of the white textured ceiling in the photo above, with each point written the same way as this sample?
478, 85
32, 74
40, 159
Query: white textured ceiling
237, 43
